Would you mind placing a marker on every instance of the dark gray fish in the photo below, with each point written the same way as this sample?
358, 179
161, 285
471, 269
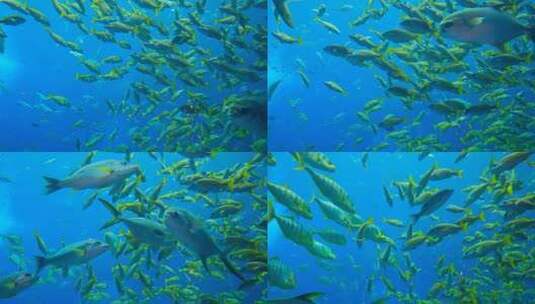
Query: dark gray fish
190, 231
433, 203
484, 26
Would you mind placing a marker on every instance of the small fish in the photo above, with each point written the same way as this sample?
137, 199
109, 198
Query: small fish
281, 9
11, 285
335, 87
362, 231
285, 38
432, 204
329, 26
280, 274
13, 20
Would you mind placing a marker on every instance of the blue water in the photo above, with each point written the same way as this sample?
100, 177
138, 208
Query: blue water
346, 281
33, 63
324, 120
59, 217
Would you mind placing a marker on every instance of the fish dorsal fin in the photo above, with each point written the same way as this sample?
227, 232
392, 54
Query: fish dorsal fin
473, 22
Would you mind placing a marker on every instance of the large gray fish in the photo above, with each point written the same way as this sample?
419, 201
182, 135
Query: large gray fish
14, 283
191, 233
94, 176
484, 26
144, 230
73, 254
433, 203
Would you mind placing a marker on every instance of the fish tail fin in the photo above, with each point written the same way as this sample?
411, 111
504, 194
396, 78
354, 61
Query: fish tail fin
231, 267
40, 262
52, 184
116, 213
482, 216
460, 173
309, 297
299, 159
271, 211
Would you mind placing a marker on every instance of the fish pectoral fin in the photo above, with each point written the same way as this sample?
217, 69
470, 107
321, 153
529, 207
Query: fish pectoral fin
473, 22
80, 252
106, 170
11, 285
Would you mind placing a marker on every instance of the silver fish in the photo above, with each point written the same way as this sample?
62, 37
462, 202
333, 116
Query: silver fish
94, 176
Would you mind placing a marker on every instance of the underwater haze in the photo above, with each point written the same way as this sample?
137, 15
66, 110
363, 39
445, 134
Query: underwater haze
137, 267
132, 75
386, 76
481, 253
